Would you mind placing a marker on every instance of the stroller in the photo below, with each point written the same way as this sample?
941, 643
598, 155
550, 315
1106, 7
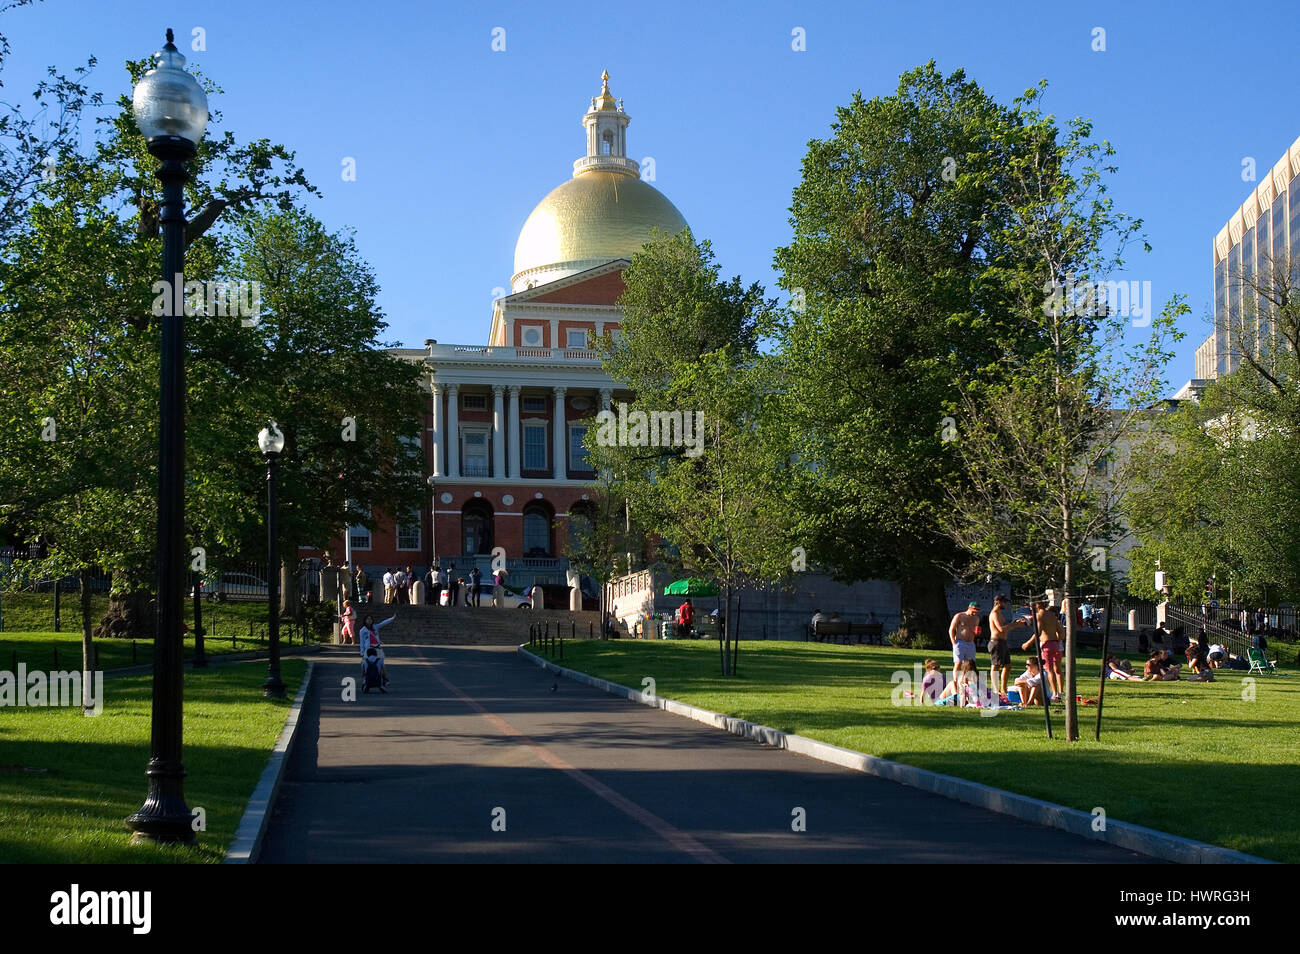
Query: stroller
373, 674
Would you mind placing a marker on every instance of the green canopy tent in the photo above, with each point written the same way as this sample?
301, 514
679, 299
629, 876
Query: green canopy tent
692, 586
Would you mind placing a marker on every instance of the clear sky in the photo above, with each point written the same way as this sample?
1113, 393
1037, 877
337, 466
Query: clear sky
455, 143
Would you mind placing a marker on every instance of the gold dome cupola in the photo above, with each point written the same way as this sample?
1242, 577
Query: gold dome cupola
606, 136
604, 213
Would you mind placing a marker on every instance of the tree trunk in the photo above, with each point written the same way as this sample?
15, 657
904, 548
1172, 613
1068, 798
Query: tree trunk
290, 597
87, 646
923, 604
1071, 670
130, 616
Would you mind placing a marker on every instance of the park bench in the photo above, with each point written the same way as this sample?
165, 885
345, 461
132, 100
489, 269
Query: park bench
827, 629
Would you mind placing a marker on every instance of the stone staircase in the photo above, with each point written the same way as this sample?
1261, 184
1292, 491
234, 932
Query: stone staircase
470, 626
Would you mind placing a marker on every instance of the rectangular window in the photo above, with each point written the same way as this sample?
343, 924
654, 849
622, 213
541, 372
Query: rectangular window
474, 453
1279, 230
408, 533
1293, 200
534, 405
575, 338
534, 447
577, 449
360, 538
473, 402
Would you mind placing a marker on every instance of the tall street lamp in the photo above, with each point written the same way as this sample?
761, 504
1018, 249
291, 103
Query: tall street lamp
171, 111
271, 442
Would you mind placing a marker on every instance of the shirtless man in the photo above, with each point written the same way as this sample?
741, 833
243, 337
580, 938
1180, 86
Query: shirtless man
961, 631
998, 649
1052, 638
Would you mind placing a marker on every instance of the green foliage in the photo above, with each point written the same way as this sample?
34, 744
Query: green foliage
900, 639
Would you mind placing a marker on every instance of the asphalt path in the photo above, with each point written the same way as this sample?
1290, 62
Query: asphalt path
472, 756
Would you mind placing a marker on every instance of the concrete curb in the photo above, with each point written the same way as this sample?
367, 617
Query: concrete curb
247, 842
1147, 841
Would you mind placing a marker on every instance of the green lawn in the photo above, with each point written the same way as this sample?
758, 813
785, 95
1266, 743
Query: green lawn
67, 781
1195, 759
38, 650
34, 612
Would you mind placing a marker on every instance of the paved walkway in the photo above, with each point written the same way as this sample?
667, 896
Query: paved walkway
419, 774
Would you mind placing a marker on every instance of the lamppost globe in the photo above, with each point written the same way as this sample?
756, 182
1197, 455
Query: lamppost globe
270, 440
170, 106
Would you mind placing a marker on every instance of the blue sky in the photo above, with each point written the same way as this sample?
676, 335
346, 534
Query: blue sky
455, 143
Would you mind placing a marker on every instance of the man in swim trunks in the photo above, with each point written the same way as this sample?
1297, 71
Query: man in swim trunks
998, 649
1052, 639
961, 631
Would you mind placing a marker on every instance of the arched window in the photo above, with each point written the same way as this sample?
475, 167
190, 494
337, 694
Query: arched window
582, 527
476, 527
607, 143
538, 524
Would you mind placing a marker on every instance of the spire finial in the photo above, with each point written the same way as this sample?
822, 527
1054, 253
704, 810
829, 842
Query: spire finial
171, 38
604, 80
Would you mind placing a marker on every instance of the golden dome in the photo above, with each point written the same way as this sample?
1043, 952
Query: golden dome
594, 218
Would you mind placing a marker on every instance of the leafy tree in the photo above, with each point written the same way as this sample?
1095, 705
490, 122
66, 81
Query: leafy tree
688, 348
1041, 438
901, 224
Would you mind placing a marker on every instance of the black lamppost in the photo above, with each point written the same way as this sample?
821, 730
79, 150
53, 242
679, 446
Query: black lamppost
271, 442
171, 111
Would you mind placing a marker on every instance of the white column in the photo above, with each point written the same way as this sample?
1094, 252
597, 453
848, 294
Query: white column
453, 432
561, 436
498, 432
437, 430
514, 449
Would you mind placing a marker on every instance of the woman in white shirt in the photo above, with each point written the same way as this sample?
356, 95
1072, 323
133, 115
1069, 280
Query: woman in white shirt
370, 637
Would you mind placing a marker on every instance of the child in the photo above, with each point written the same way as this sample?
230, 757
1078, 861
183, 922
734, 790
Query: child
932, 684
374, 672
370, 641
1030, 683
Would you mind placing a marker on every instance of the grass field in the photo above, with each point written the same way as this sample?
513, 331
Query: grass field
67, 781
50, 651
34, 612
1210, 761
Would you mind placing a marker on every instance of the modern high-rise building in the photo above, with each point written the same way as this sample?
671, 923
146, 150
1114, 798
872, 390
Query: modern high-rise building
1260, 238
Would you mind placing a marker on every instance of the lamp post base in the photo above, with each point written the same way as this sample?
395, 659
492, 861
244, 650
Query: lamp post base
164, 818
273, 688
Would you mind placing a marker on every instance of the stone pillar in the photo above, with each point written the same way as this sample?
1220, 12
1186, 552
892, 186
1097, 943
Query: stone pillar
555, 333
575, 590
498, 433
561, 443
452, 437
437, 430
514, 450
417, 593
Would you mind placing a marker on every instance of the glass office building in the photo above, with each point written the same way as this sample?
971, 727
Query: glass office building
1253, 252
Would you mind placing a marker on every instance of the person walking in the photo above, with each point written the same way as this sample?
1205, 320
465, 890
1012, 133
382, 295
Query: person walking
349, 619
475, 596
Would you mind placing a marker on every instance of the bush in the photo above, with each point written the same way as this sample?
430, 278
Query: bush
927, 642
899, 640
319, 618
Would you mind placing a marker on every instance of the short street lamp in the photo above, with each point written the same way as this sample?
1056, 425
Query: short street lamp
271, 442
172, 112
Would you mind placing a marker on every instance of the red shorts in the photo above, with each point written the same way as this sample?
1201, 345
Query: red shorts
1052, 651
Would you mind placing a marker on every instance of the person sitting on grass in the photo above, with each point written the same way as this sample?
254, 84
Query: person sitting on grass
1198, 664
964, 688
1115, 669
1159, 669
1030, 683
1218, 656
934, 681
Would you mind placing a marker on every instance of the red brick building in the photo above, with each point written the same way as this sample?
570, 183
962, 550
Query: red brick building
505, 420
